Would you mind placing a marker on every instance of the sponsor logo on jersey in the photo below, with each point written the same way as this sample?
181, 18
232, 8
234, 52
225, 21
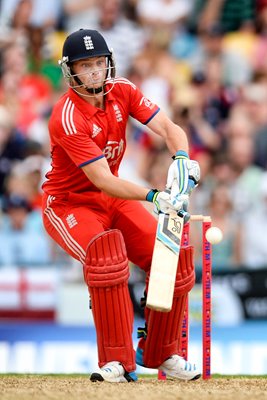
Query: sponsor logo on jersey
146, 102
117, 113
89, 45
113, 151
96, 130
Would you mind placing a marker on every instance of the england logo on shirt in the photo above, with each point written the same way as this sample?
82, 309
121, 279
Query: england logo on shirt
117, 113
71, 220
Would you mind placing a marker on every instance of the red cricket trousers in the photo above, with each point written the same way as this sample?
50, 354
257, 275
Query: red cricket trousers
74, 220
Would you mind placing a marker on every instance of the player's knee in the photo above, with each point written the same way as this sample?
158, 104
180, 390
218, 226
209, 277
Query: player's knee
185, 278
106, 262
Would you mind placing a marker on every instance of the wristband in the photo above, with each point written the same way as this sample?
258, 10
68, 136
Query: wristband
180, 154
151, 195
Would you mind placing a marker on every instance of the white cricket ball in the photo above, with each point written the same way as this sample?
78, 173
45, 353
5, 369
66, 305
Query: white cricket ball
214, 235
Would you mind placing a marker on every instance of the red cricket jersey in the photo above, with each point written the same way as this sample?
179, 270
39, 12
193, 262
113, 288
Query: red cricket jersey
81, 134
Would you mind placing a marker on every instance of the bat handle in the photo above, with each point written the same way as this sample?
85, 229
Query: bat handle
183, 214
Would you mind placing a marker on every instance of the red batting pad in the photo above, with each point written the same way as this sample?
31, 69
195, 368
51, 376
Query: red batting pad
163, 328
185, 277
106, 273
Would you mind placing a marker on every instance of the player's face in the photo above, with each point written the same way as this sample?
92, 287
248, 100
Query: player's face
91, 71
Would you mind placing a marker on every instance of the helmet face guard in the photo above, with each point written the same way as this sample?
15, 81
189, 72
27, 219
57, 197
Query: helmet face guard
83, 44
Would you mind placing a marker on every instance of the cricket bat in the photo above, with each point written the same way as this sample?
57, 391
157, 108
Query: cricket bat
165, 261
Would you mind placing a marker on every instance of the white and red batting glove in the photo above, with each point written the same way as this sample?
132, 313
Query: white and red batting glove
183, 175
163, 202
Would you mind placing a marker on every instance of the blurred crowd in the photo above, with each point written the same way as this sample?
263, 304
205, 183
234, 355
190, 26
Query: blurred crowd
203, 61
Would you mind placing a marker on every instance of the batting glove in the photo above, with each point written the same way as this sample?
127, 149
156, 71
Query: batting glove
183, 200
181, 170
162, 201
176, 196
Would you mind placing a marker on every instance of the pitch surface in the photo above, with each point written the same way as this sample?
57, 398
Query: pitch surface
36, 387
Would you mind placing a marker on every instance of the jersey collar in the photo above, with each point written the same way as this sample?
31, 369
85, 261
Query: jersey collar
87, 107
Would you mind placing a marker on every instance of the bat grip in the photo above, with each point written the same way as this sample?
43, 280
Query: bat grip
184, 214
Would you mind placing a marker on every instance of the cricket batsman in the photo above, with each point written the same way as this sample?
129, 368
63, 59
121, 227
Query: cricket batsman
97, 217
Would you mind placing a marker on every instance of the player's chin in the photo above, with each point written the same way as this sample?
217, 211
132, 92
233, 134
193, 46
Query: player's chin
96, 84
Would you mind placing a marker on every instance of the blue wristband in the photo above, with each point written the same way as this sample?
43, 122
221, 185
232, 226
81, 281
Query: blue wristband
180, 154
151, 194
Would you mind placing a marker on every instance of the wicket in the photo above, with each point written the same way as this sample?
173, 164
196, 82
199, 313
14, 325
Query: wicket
206, 300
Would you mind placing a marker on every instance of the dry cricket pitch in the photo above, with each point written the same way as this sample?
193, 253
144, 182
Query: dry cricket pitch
37, 387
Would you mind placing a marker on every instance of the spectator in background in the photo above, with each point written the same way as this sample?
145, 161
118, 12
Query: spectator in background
14, 21
261, 147
25, 179
27, 96
221, 171
29, 21
247, 176
23, 13
253, 231
23, 238
255, 107
162, 14
202, 135
12, 146
225, 51
259, 54
232, 15
126, 36
220, 208
78, 13
33, 169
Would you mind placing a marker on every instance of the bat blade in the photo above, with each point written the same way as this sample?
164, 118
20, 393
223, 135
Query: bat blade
165, 262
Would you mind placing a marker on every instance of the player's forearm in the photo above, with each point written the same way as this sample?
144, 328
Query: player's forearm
174, 136
100, 175
176, 139
123, 189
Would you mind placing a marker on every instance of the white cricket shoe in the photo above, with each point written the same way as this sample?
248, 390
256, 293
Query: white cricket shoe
113, 372
177, 367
